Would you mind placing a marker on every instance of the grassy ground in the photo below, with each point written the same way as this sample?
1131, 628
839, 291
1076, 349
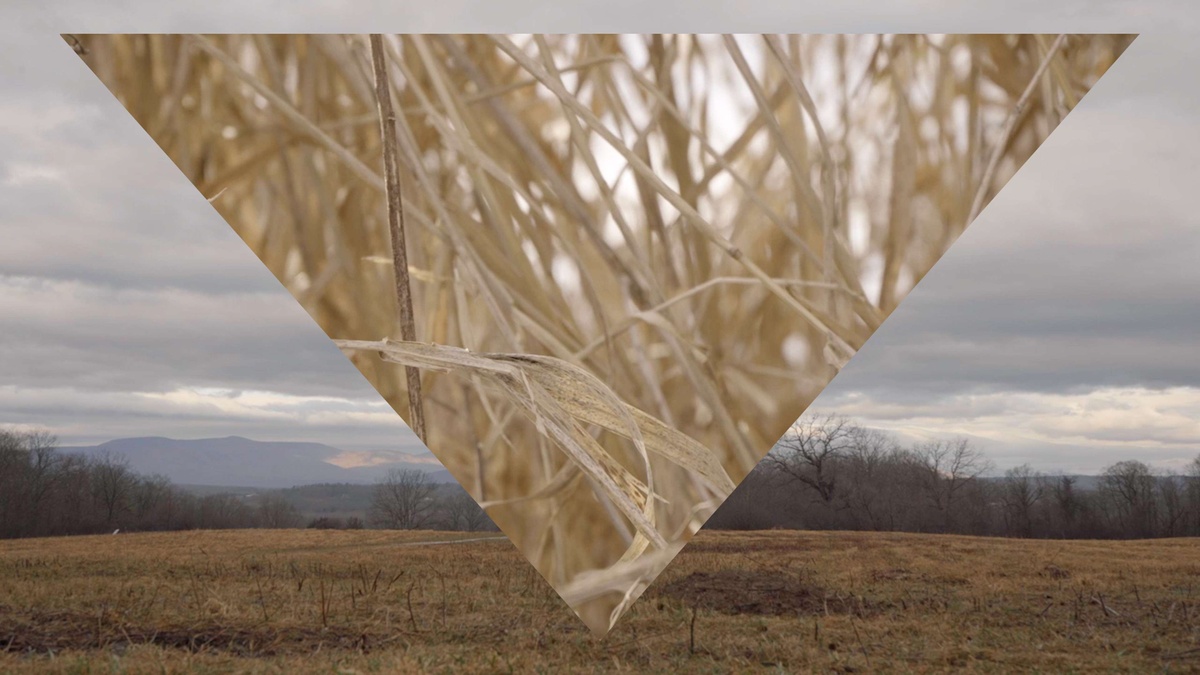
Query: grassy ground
345, 601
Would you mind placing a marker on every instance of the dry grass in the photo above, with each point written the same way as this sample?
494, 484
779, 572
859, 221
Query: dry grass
708, 227
329, 601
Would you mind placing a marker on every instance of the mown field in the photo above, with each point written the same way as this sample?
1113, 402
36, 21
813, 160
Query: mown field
370, 601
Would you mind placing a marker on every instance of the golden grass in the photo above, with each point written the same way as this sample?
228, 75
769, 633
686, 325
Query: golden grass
707, 226
329, 601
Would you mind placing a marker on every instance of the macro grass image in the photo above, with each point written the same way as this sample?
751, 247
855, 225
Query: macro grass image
599, 275
326, 601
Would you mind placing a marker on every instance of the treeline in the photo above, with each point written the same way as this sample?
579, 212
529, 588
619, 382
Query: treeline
45, 493
831, 474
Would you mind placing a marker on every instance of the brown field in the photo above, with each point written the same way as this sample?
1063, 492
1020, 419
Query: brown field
345, 602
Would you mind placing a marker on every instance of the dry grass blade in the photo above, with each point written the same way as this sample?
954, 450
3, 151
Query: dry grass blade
629, 579
1014, 117
290, 112
644, 171
395, 211
577, 391
560, 398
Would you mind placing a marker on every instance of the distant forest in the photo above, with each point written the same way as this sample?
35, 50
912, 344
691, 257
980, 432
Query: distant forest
830, 474
826, 474
45, 493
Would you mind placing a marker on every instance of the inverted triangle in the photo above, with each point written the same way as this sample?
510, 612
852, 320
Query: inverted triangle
633, 260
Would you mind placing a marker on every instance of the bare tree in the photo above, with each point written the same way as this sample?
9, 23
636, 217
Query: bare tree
149, 495
74, 510
1021, 491
809, 452
113, 484
1067, 502
14, 460
948, 467
1172, 495
1128, 489
276, 512
870, 479
43, 463
402, 500
1192, 479
462, 512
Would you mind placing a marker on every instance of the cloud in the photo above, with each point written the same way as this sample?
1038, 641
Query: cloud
92, 417
1081, 432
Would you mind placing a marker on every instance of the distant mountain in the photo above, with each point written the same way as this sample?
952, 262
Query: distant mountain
234, 460
1083, 483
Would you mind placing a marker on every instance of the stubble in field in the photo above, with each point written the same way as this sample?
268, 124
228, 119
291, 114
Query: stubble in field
344, 601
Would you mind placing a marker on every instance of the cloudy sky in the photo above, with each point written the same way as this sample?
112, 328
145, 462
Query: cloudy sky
1060, 330
129, 307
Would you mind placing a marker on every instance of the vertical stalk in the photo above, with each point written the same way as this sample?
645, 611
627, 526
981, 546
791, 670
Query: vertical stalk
395, 211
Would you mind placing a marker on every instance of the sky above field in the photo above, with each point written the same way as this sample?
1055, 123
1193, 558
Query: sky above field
1061, 330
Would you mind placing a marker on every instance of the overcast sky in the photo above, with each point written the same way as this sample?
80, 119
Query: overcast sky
1060, 330
129, 307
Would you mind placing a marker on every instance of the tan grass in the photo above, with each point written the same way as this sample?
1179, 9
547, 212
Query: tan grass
368, 602
691, 233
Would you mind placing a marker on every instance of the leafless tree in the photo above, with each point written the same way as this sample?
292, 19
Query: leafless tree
1172, 495
462, 512
75, 508
402, 500
13, 463
275, 511
870, 477
149, 493
224, 512
113, 484
1021, 491
43, 463
1128, 489
947, 468
1067, 503
810, 451
1192, 480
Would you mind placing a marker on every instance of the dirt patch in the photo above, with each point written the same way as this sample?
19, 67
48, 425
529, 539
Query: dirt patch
752, 546
748, 592
1055, 572
893, 574
901, 574
758, 542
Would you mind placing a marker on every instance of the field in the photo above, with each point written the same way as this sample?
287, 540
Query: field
370, 601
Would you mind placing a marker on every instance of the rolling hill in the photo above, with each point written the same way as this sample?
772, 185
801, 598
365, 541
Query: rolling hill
234, 460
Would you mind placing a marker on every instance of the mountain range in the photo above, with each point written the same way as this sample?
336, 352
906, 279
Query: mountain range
234, 460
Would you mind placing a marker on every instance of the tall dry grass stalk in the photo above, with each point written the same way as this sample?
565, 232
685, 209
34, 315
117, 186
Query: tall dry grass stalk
656, 250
